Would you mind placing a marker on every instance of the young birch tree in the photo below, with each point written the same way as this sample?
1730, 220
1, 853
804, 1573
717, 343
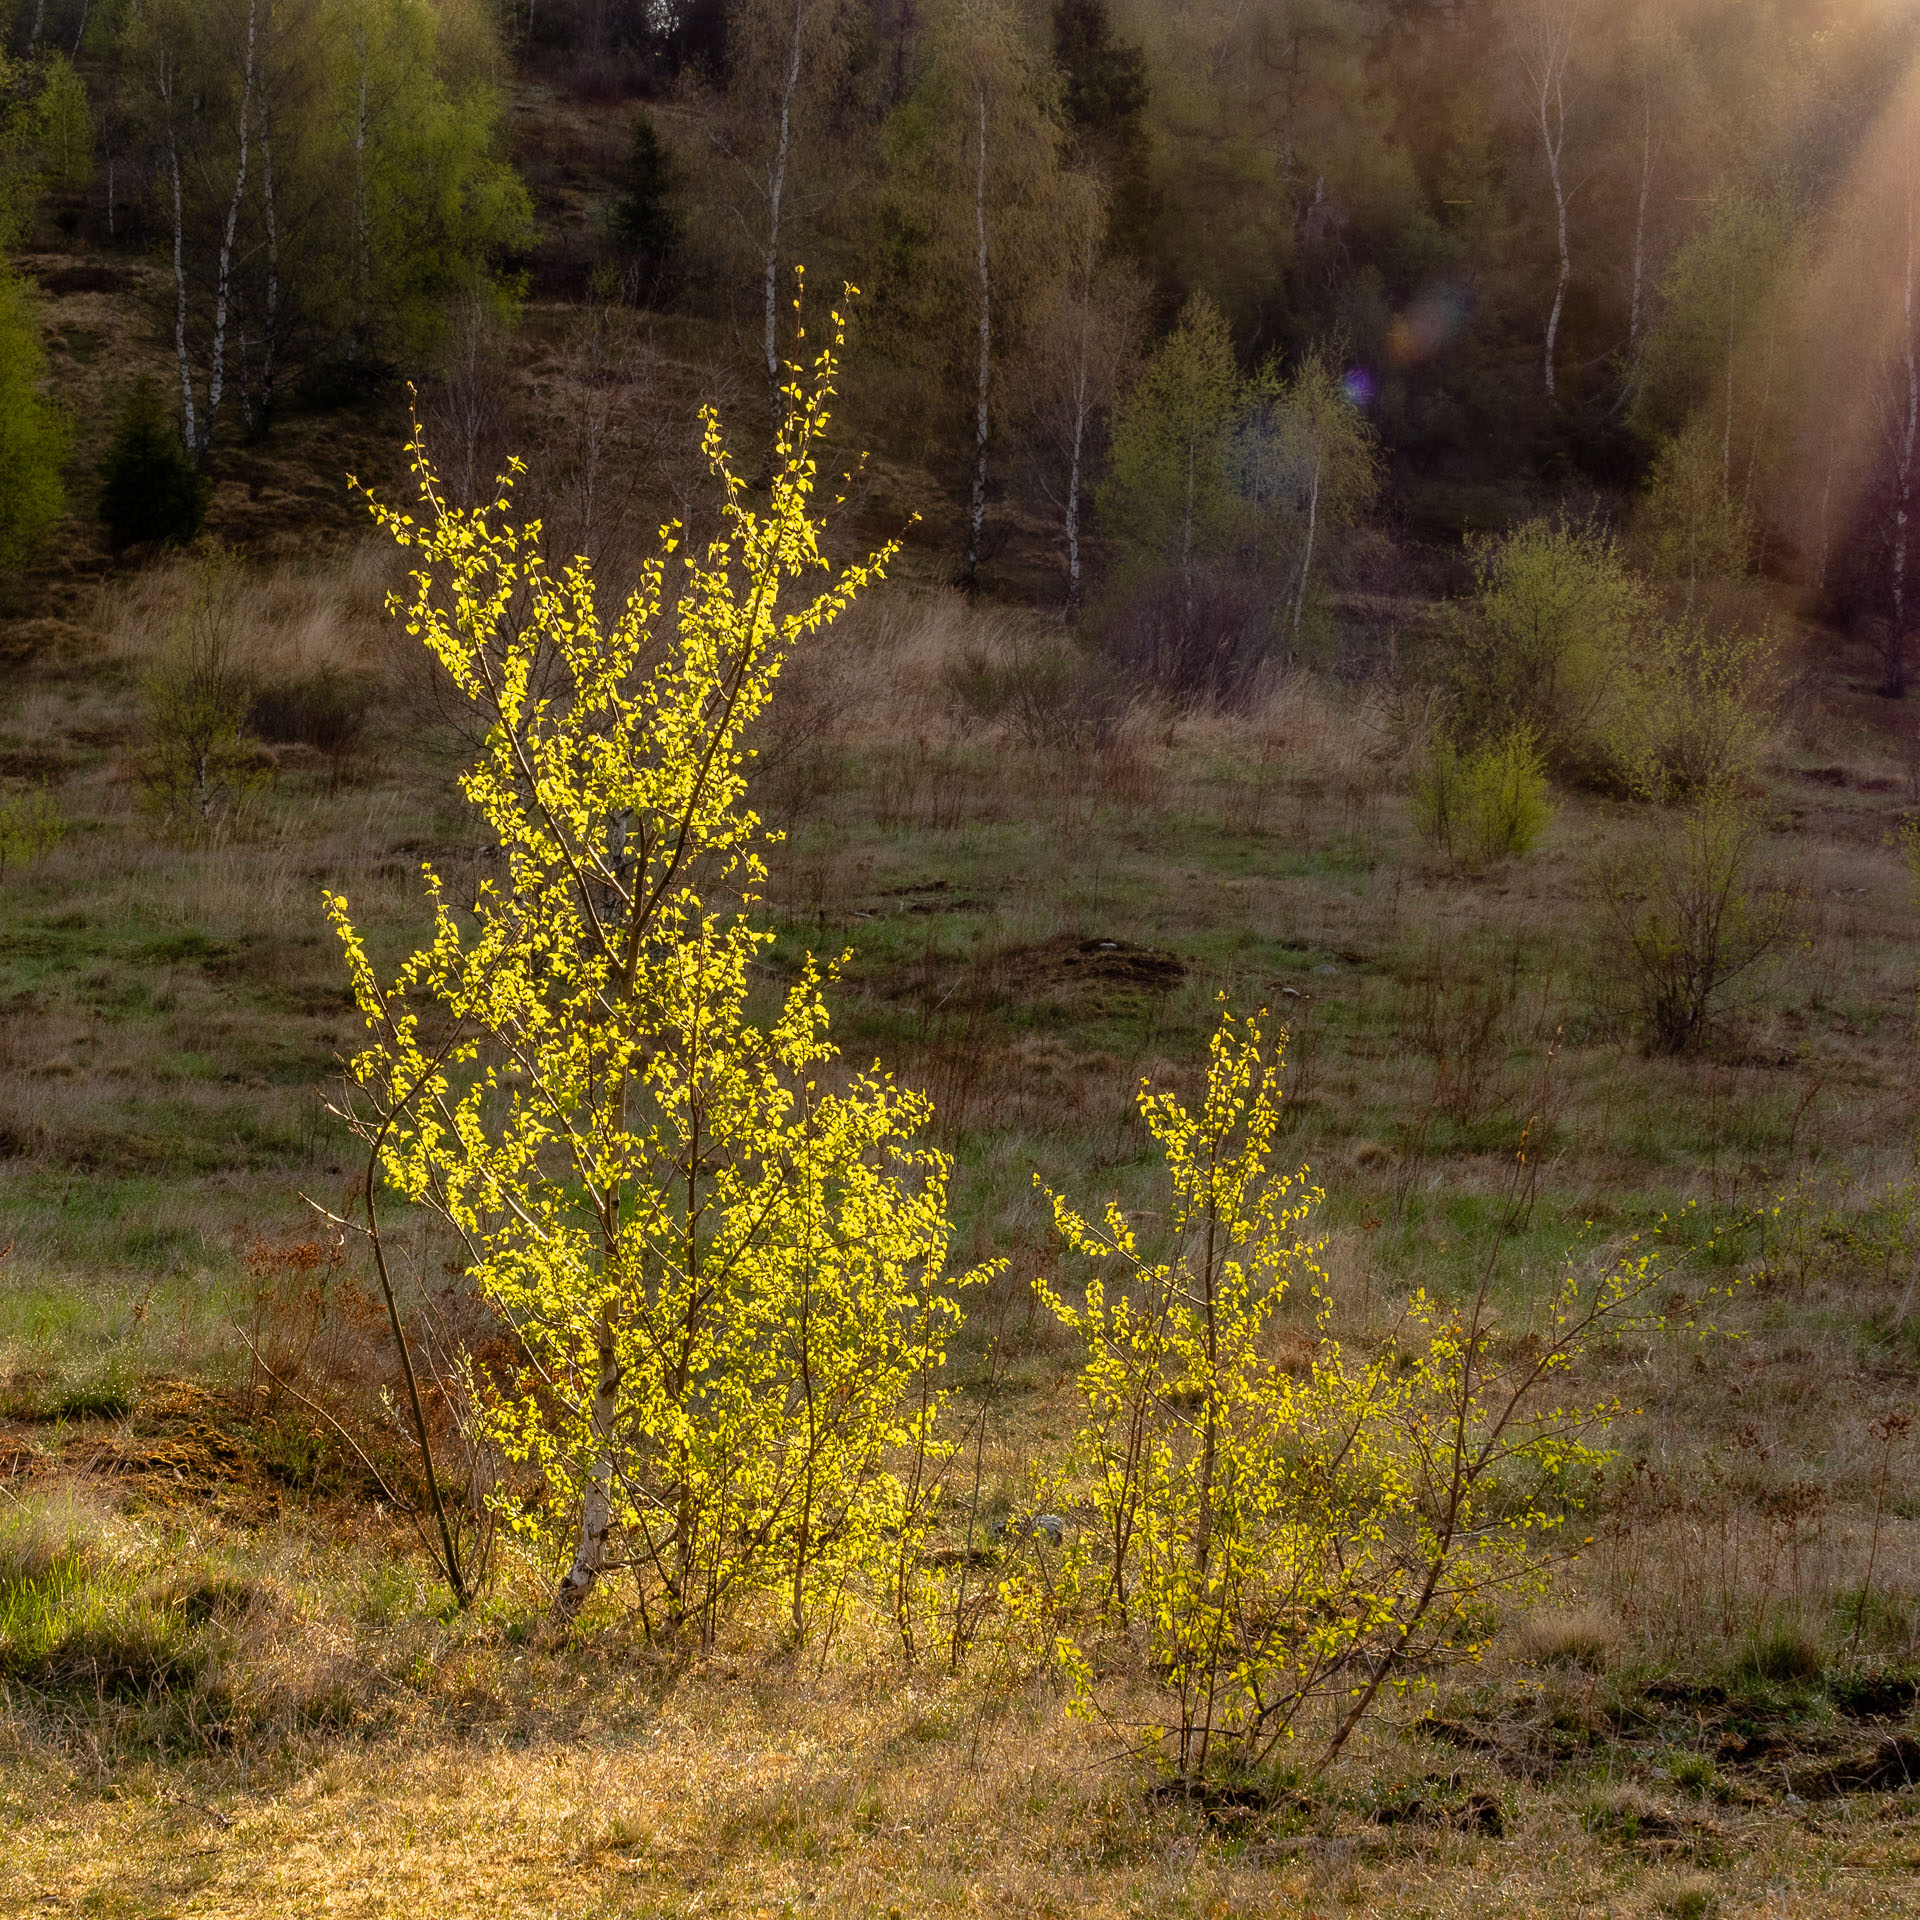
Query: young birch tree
1170, 493
1006, 131
975, 206
1636, 307
1081, 351
1543, 37
723, 1256
1274, 1538
1306, 464
200, 67
785, 59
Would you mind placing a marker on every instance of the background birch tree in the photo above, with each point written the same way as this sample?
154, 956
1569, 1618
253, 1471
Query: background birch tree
790, 142
1544, 35
1082, 348
252, 113
969, 220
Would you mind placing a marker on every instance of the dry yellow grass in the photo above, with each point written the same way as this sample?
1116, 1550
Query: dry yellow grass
755, 1793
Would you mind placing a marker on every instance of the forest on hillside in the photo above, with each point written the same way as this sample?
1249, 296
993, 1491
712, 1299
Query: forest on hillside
959, 954
1403, 269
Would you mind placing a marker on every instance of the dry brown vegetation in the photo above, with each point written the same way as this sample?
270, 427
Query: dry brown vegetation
228, 1685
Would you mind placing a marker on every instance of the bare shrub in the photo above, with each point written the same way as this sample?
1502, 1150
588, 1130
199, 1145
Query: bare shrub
1683, 916
1460, 1015
325, 711
1202, 642
1041, 687
200, 765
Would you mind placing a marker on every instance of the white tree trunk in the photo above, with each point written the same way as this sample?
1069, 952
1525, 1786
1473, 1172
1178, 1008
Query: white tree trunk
1080, 411
217, 366
164, 81
977, 511
596, 1510
1565, 279
1545, 47
776, 195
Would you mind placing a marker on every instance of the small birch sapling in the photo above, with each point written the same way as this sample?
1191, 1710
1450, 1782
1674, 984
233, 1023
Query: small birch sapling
723, 1258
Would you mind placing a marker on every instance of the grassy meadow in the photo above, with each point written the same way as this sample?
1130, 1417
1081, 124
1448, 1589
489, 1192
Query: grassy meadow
228, 1683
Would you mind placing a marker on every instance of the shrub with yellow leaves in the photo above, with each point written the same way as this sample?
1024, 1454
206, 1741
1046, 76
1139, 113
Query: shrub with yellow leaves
724, 1260
1276, 1535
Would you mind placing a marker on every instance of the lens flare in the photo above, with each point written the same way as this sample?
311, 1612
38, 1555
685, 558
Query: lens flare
1433, 322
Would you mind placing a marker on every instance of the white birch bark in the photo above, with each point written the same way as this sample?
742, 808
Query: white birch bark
163, 81
1313, 528
1545, 46
217, 365
1080, 413
596, 1510
776, 197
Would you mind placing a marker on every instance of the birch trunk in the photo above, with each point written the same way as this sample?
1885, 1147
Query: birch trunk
977, 511
189, 421
1073, 493
217, 366
1555, 143
1545, 48
776, 195
596, 1512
